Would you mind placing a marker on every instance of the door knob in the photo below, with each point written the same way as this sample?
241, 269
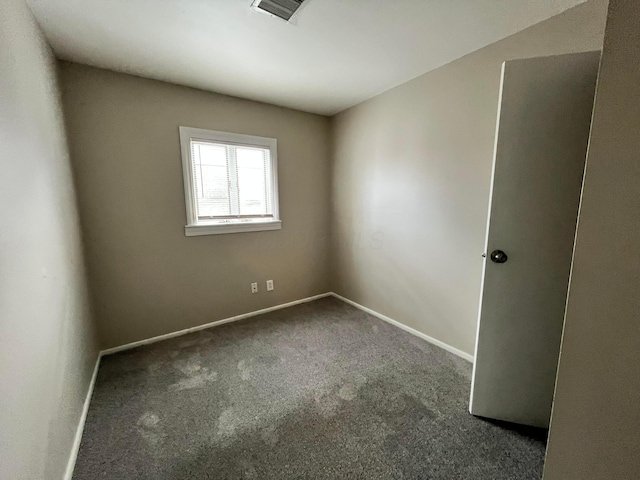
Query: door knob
498, 256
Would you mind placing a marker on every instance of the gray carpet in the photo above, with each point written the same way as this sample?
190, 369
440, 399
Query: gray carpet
316, 391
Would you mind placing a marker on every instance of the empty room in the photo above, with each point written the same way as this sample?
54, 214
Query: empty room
319, 239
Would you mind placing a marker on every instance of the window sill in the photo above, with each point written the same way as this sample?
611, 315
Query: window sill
222, 228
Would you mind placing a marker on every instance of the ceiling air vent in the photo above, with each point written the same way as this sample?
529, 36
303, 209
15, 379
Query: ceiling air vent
283, 9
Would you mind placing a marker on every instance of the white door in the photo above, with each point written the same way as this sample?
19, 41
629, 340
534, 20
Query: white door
541, 143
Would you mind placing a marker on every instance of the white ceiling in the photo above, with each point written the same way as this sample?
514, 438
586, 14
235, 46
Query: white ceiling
335, 55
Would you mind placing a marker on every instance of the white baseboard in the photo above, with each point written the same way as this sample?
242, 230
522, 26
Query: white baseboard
83, 418
412, 331
179, 333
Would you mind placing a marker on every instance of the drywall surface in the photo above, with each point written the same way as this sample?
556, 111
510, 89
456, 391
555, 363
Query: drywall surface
411, 179
147, 278
47, 342
595, 424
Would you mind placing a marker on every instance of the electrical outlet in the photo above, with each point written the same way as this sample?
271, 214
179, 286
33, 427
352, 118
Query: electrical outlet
254, 287
269, 285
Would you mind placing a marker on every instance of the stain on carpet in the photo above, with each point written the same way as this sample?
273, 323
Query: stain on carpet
315, 391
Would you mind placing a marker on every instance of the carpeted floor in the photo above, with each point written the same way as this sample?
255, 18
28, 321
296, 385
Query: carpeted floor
316, 391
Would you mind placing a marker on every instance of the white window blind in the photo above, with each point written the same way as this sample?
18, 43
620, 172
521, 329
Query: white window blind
229, 179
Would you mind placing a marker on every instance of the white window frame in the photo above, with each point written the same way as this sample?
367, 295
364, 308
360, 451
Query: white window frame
196, 227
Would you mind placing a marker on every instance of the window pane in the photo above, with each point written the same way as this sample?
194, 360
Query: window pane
211, 180
253, 181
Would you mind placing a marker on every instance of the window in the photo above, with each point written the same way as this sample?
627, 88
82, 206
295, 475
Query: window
230, 182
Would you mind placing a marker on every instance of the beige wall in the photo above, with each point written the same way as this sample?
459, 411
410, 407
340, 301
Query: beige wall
47, 344
595, 425
147, 278
411, 180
